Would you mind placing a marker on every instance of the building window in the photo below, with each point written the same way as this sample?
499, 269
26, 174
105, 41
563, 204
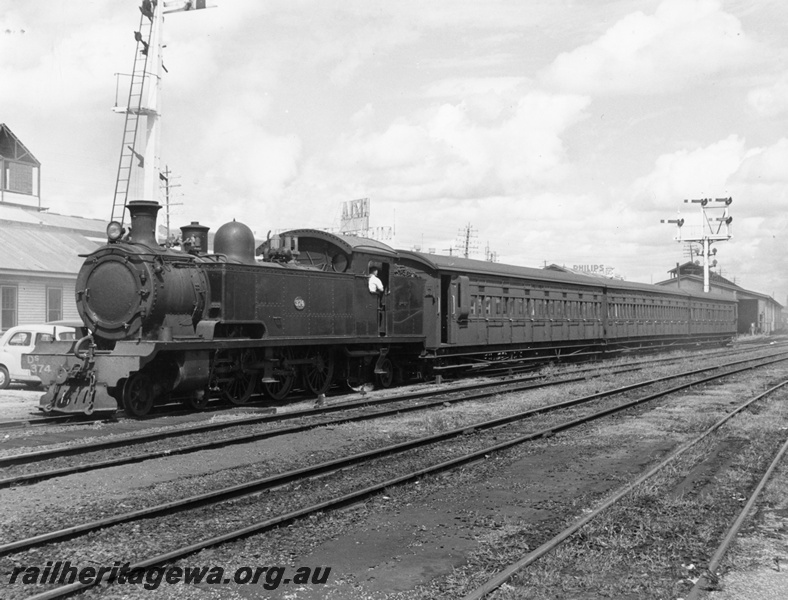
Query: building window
7, 307
54, 304
19, 177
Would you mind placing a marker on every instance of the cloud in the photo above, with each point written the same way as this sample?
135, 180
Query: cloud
700, 173
757, 181
683, 41
772, 100
764, 166
452, 151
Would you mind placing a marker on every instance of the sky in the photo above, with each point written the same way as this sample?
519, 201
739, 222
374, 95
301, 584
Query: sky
554, 131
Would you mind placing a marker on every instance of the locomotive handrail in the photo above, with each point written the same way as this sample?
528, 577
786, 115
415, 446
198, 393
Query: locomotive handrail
78, 346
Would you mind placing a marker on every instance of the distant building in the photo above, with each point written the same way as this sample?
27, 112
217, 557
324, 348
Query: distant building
20, 172
757, 312
39, 262
39, 250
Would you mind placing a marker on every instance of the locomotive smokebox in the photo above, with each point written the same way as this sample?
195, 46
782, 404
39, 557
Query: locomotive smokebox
236, 241
143, 221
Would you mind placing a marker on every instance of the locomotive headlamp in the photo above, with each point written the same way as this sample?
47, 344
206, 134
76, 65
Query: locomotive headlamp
114, 231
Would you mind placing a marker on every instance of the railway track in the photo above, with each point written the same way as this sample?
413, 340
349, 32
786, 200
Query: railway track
332, 466
430, 400
565, 534
504, 371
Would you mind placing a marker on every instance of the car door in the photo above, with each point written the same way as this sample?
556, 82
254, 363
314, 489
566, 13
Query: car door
21, 342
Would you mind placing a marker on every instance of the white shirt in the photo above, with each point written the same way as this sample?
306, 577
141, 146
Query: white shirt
375, 284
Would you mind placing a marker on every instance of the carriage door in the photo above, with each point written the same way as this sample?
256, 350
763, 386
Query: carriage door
455, 306
383, 316
447, 336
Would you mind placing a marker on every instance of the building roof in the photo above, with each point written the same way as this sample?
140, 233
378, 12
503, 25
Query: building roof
13, 213
13, 149
690, 268
691, 271
35, 242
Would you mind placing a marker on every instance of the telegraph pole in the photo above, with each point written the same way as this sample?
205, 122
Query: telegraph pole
715, 222
467, 243
165, 177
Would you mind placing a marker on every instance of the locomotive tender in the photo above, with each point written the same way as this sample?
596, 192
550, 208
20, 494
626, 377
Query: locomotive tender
297, 312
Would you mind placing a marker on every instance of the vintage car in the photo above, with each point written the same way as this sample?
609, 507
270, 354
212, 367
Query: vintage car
21, 340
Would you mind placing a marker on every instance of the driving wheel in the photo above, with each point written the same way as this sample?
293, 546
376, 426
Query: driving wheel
319, 374
239, 385
138, 395
284, 375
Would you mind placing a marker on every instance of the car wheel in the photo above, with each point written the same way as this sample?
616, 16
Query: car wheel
5, 380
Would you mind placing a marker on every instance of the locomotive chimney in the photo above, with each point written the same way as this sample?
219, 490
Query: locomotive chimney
196, 237
143, 221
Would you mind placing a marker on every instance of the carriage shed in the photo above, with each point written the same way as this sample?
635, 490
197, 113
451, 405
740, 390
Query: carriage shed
489, 304
758, 313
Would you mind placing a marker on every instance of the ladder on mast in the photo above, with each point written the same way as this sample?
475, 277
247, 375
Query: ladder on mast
133, 110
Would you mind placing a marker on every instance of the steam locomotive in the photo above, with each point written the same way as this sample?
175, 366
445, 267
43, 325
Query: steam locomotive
296, 312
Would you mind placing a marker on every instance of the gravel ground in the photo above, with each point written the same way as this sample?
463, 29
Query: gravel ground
19, 402
410, 542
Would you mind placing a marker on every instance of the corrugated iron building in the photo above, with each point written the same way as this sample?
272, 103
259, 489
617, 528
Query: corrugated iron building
39, 250
758, 313
39, 262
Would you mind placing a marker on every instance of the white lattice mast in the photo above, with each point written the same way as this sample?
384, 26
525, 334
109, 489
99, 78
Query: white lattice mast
141, 152
715, 226
150, 187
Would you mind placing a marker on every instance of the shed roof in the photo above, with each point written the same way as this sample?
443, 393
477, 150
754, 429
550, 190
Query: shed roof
36, 242
721, 283
32, 216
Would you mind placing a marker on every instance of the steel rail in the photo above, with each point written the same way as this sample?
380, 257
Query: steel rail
498, 580
710, 573
40, 455
29, 478
359, 495
502, 371
28, 457
272, 481
35, 421
292, 429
